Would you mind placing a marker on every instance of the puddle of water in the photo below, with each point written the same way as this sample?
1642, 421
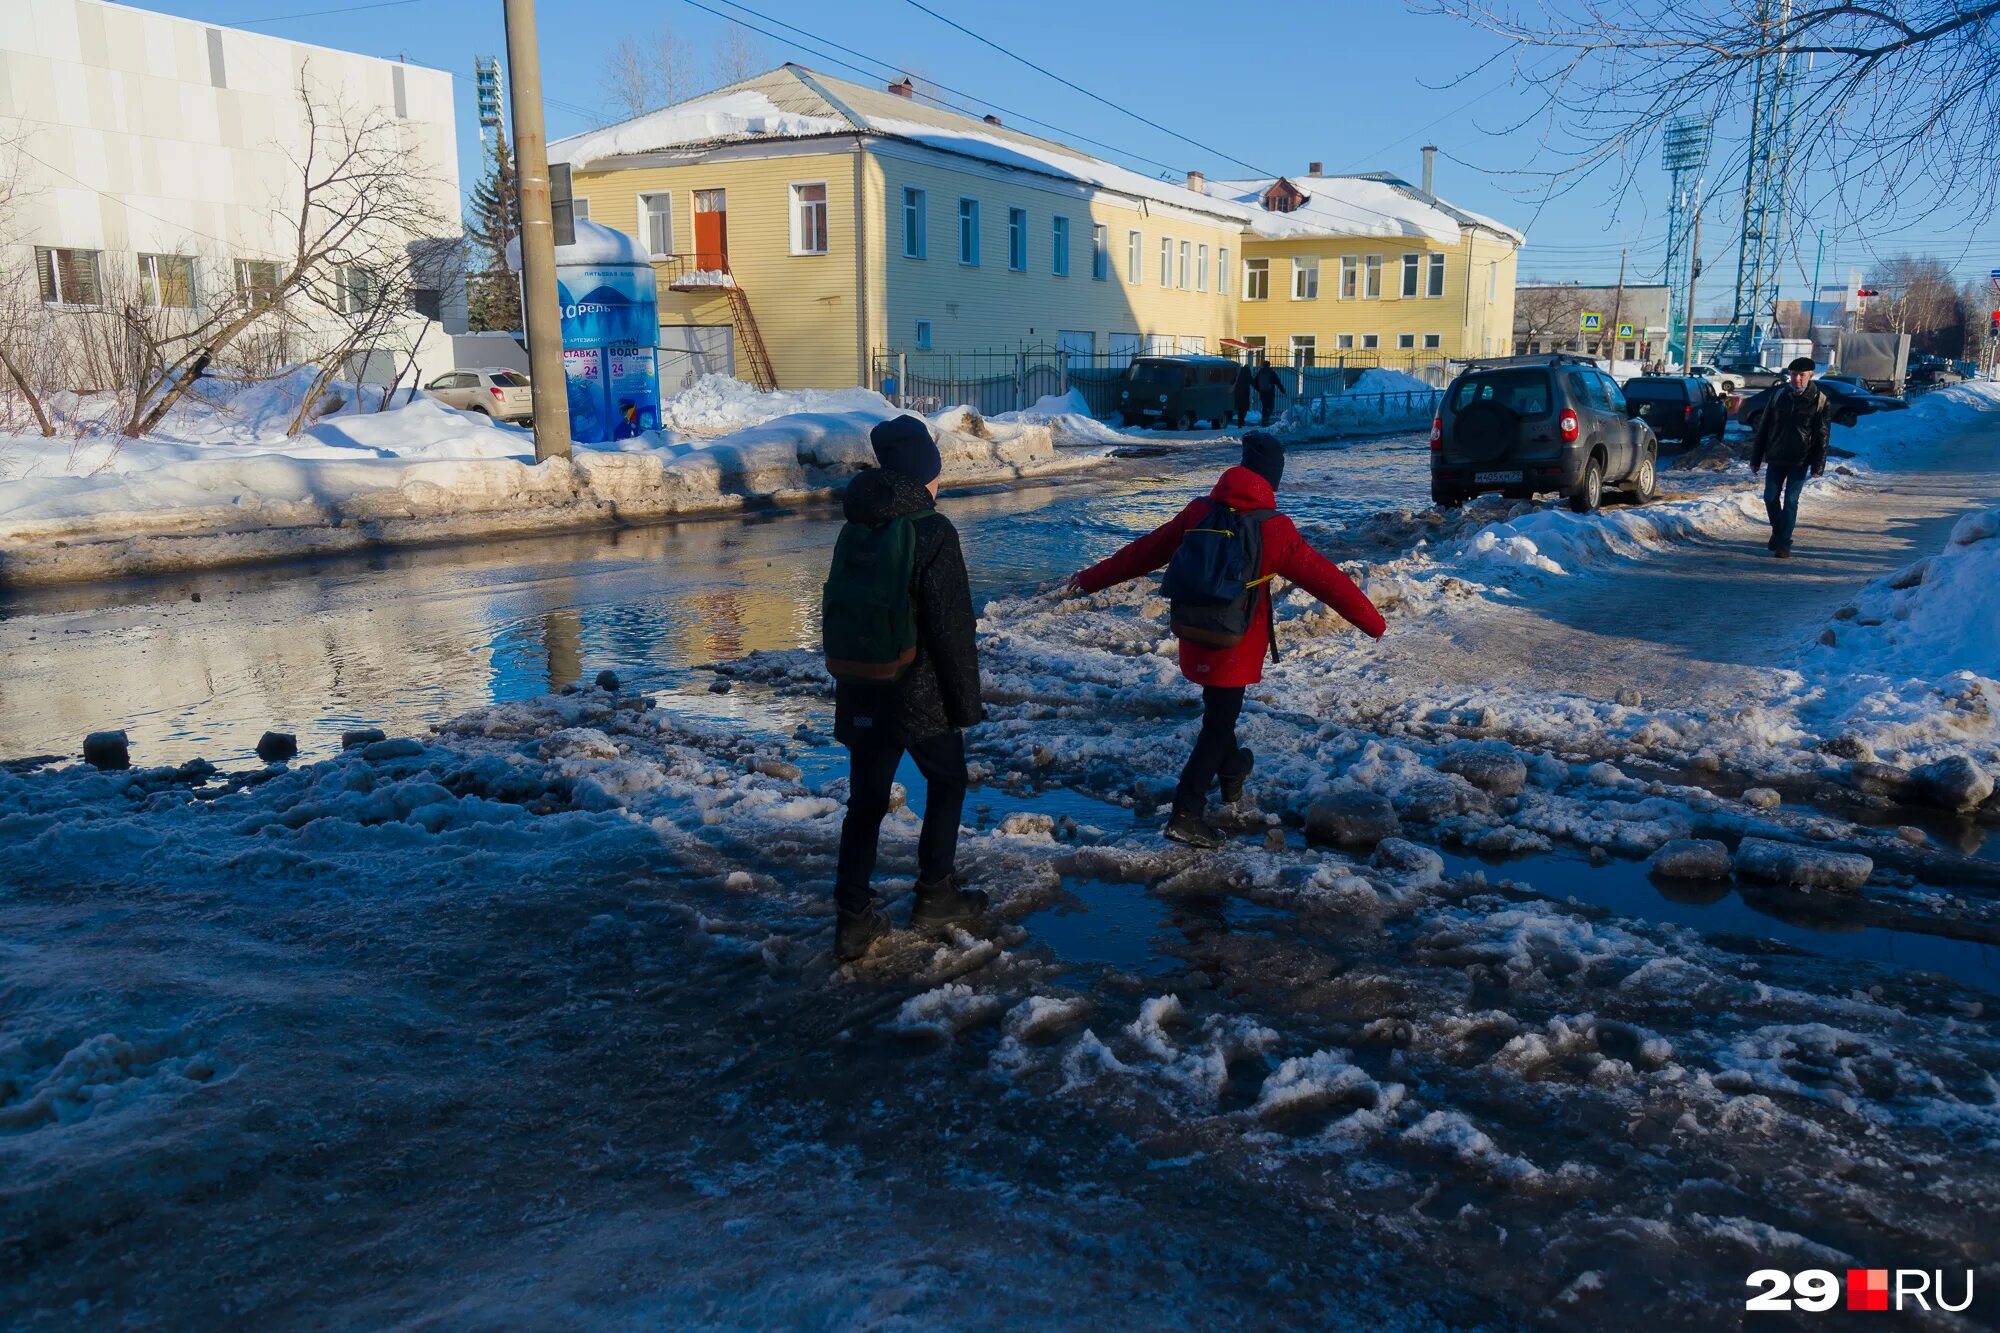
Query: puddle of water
1720, 908
1110, 923
403, 639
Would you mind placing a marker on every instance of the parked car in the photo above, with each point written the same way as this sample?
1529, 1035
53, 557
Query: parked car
1529, 425
1678, 408
1932, 372
1722, 383
492, 390
1176, 391
1850, 402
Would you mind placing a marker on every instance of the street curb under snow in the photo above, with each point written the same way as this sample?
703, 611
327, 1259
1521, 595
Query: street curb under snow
211, 513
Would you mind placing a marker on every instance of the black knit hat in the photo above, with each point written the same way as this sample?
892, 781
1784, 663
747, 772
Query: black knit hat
904, 444
1799, 363
1265, 456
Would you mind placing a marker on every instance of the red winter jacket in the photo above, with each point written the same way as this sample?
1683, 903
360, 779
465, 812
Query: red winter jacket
1285, 554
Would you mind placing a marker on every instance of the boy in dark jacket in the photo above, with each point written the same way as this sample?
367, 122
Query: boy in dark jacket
1223, 673
1792, 438
921, 711
1268, 386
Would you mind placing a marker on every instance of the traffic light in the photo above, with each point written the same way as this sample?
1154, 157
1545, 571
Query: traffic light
1868, 291
1996, 323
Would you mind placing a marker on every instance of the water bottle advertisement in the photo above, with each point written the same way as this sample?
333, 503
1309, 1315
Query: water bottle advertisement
610, 323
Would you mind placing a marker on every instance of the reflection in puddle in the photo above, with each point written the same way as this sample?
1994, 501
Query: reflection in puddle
1111, 923
1821, 924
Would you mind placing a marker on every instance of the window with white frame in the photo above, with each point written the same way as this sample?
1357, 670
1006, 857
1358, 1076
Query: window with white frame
1344, 342
1017, 239
68, 277
257, 281
923, 335
1159, 344
1201, 268
1222, 269
1305, 278
1412, 266
1406, 341
1434, 341
1305, 348
1194, 343
968, 232
1166, 261
1256, 348
1256, 279
166, 282
916, 224
1100, 252
809, 218
1436, 285
1135, 258
1371, 278
1059, 247
656, 224
1370, 342
1187, 253
1350, 277
360, 289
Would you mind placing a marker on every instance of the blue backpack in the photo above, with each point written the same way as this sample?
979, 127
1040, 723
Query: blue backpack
1213, 581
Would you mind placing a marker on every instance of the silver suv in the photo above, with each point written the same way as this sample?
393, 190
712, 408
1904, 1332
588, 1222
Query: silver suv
1533, 424
493, 390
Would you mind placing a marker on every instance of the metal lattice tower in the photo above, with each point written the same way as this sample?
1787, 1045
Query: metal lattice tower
1764, 187
1684, 154
486, 84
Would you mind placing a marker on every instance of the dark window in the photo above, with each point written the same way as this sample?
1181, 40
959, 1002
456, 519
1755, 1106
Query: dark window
509, 379
68, 277
1525, 391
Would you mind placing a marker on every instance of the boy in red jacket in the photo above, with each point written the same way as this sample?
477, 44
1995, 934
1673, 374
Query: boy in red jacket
1223, 673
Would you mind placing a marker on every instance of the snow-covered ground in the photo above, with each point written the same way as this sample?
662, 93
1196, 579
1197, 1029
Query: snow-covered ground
220, 482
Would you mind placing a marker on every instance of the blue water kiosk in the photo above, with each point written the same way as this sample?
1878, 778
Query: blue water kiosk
610, 333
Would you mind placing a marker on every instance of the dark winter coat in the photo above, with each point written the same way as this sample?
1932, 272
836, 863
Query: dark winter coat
1793, 429
1243, 379
1267, 383
940, 690
1286, 555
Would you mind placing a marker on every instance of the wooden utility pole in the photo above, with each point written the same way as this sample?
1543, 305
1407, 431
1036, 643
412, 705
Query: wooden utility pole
1618, 307
1694, 271
539, 305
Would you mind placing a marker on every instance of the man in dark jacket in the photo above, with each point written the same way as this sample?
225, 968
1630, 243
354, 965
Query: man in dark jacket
1242, 404
1224, 673
921, 711
1791, 437
1267, 385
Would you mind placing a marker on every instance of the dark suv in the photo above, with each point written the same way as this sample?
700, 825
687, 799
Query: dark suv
1677, 408
1529, 425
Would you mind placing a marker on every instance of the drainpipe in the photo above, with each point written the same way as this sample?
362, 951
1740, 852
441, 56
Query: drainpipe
862, 351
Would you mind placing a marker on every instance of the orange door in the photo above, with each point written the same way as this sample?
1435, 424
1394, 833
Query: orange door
711, 229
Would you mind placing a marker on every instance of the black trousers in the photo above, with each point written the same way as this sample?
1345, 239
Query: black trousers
1242, 405
1264, 404
1215, 749
871, 771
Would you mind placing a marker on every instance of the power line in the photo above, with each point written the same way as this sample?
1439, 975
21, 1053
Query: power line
953, 23
315, 13
1021, 116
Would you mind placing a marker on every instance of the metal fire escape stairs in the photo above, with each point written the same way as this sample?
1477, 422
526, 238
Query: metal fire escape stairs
707, 275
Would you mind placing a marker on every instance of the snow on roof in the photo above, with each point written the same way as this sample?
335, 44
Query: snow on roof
1372, 205
794, 102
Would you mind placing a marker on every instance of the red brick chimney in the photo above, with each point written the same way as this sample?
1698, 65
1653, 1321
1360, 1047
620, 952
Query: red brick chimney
903, 88
1313, 168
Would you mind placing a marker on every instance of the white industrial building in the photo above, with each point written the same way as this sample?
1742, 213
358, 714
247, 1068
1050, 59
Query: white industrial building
157, 156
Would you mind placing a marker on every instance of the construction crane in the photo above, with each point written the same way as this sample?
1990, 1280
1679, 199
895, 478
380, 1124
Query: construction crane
1684, 154
1765, 179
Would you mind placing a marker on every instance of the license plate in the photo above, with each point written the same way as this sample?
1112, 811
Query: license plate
1483, 477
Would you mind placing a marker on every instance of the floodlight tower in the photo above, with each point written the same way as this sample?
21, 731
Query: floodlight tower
1765, 178
1684, 154
486, 84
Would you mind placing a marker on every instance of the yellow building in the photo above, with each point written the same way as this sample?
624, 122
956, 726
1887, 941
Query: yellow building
845, 219
806, 229
1371, 270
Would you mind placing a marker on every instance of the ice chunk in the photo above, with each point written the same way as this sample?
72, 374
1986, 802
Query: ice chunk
1812, 867
1692, 858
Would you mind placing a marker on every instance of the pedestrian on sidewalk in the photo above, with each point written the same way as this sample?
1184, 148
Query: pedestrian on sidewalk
898, 625
1232, 543
1268, 385
1244, 375
1792, 438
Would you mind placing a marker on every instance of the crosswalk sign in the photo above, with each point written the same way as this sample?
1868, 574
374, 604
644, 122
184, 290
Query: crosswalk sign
1593, 321
1624, 330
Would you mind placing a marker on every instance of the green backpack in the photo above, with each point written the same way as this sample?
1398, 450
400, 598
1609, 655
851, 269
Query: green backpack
867, 612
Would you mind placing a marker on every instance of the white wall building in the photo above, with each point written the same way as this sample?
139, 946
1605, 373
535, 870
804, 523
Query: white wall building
161, 151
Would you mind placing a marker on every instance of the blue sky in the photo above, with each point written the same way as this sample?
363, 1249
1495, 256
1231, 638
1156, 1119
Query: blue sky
1358, 84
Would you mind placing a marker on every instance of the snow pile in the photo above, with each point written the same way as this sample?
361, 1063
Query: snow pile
1877, 438
719, 404
741, 113
1354, 206
1379, 379
1068, 417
